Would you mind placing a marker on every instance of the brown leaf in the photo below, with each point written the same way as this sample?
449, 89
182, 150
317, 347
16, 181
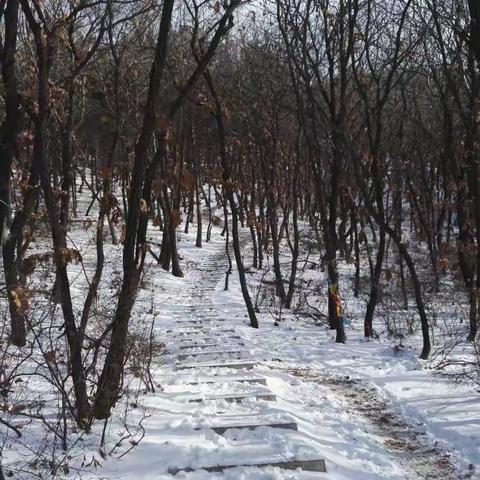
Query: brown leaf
64, 256
49, 356
187, 181
105, 172
143, 206
19, 298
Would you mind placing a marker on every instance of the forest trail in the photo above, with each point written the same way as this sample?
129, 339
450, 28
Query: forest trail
241, 414
334, 143
233, 398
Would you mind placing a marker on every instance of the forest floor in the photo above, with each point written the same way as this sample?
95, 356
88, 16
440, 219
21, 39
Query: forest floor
369, 409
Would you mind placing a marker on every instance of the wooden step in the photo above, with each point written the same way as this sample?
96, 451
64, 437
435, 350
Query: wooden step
198, 341
208, 345
246, 365
306, 465
200, 320
220, 430
184, 356
225, 379
198, 328
236, 397
197, 331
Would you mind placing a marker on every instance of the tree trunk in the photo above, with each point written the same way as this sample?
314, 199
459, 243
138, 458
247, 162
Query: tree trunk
417, 288
58, 235
198, 241
11, 238
229, 195
374, 288
473, 301
227, 247
110, 378
295, 253
239, 262
356, 246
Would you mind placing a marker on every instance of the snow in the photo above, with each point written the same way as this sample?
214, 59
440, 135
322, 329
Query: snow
450, 412
314, 381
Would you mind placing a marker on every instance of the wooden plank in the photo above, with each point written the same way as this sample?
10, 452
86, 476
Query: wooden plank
306, 465
198, 330
236, 397
246, 365
257, 380
184, 356
198, 341
209, 345
220, 430
200, 320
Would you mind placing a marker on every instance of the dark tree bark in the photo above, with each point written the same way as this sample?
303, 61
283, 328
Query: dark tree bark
356, 247
227, 246
294, 249
474, 7
11, 235
198, 240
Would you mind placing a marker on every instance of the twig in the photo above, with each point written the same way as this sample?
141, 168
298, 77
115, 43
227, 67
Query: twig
9, 425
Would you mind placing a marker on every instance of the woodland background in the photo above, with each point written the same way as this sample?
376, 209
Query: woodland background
357, 120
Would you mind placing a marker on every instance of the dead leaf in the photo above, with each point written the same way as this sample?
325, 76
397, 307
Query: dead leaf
143, 206
49, 356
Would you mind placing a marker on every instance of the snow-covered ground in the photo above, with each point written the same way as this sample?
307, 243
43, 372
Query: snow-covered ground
369, 410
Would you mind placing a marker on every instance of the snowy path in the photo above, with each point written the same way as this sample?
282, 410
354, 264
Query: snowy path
227, 401
222, 376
